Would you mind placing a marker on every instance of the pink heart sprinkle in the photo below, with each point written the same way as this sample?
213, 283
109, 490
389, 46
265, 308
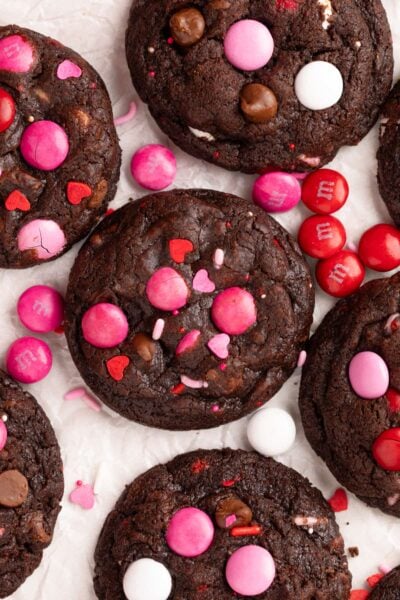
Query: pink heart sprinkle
219, 345
68, 69
83, 495
202, 282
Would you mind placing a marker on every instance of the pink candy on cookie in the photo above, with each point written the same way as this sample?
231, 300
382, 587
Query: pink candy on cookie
16, 54
104, 325
250, 570
154, 167
369, 375
42, 235
188, 341
190, 532
68, 69
234, 311
248, 45
277, 191
3, 434
167, 290
44, 145
29, 360
41, 308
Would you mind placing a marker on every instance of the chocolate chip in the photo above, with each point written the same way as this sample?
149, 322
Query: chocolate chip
229, 507
13, 489
187, 26
144, 346
258, 103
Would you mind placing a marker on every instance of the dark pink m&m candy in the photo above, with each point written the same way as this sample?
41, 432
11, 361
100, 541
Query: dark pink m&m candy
250, 570
386, 449
104, 325
29, 360
44, 145
234, 311
321, 236
41, 308
190, 532
3, 434
154, 167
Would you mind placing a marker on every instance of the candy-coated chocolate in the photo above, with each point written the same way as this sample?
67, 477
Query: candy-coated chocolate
219, 345
41, 308
190, 532
379, 247
104, 325
234, 311
16, 54
188, 342
319, 85
68, 69
29, 360
3, 434
14, 488
341, 274
325, 191
7, 110
369, 375
43, 236
44, 145
258, 103
250, 570
147, 579
167, 290
321, 236
187, 26
248, 45
154, 167
276, 191
271, 431
232, 512
386, 449
202, 282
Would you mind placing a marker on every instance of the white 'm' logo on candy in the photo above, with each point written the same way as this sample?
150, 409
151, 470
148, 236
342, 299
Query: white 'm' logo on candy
339, 273
325, 190
277, 200
324, 231
12, 50
41, 309
25, 359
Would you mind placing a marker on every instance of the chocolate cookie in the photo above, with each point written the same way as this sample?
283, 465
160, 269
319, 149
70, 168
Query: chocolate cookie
59, 153
350, 393
188, 309
389, 154
31, 484
250, 84
388, 588
236, 505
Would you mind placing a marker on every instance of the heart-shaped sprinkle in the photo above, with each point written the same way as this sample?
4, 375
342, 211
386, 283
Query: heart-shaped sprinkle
339, 501
179, 248
68, 69
16, 54
202, 282
116, 366
77, 191
17, 201
83, 495
219, 345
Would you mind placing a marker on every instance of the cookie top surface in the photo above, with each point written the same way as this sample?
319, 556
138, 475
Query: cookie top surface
31, 484
59, 153
389, 154
308, 559
388, 588
349, 397
200, 99
209, 300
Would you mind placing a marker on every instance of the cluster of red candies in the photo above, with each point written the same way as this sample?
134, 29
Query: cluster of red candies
341, 271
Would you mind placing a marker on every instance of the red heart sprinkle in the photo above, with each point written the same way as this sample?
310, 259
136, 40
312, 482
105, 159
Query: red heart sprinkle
77, 191
17, 200
116, 366
374, 579
339, 501
179, 248
359, 595
199, 465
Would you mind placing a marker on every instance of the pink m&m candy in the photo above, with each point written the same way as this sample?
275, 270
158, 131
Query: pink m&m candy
154, 167
248, 45
44, 145
234, 311
167, 290
190, 532
369, 375
44, 236
277, 192
105, 325
29, 360
41, 308
16, 54
3, 434
250, 570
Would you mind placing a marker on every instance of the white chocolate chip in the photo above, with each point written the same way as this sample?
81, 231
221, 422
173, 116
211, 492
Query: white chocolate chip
203, 135
327, 12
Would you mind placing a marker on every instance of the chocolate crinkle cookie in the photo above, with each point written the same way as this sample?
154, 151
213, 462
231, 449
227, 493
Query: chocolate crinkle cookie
250, 84
389, 154
31, 485
188, 309
59, 152
350, 393
221, 524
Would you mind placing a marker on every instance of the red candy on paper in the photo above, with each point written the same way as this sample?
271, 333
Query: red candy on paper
116, 366
379, 248
77, 191
17, 201
321, 236
325, 191
339, 501
179, 248
341, 274
7, 110
386, 449
393, 397
374, 579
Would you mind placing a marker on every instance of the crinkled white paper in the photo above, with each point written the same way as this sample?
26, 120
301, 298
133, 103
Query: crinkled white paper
103, 448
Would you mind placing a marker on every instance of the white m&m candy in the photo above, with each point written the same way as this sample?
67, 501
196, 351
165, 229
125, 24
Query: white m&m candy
319, 85
271, 431
147, 579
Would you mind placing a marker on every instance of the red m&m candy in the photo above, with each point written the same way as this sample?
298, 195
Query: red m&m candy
322, 236
386, 449
379, 247
325, 191
341, 274
7, 110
